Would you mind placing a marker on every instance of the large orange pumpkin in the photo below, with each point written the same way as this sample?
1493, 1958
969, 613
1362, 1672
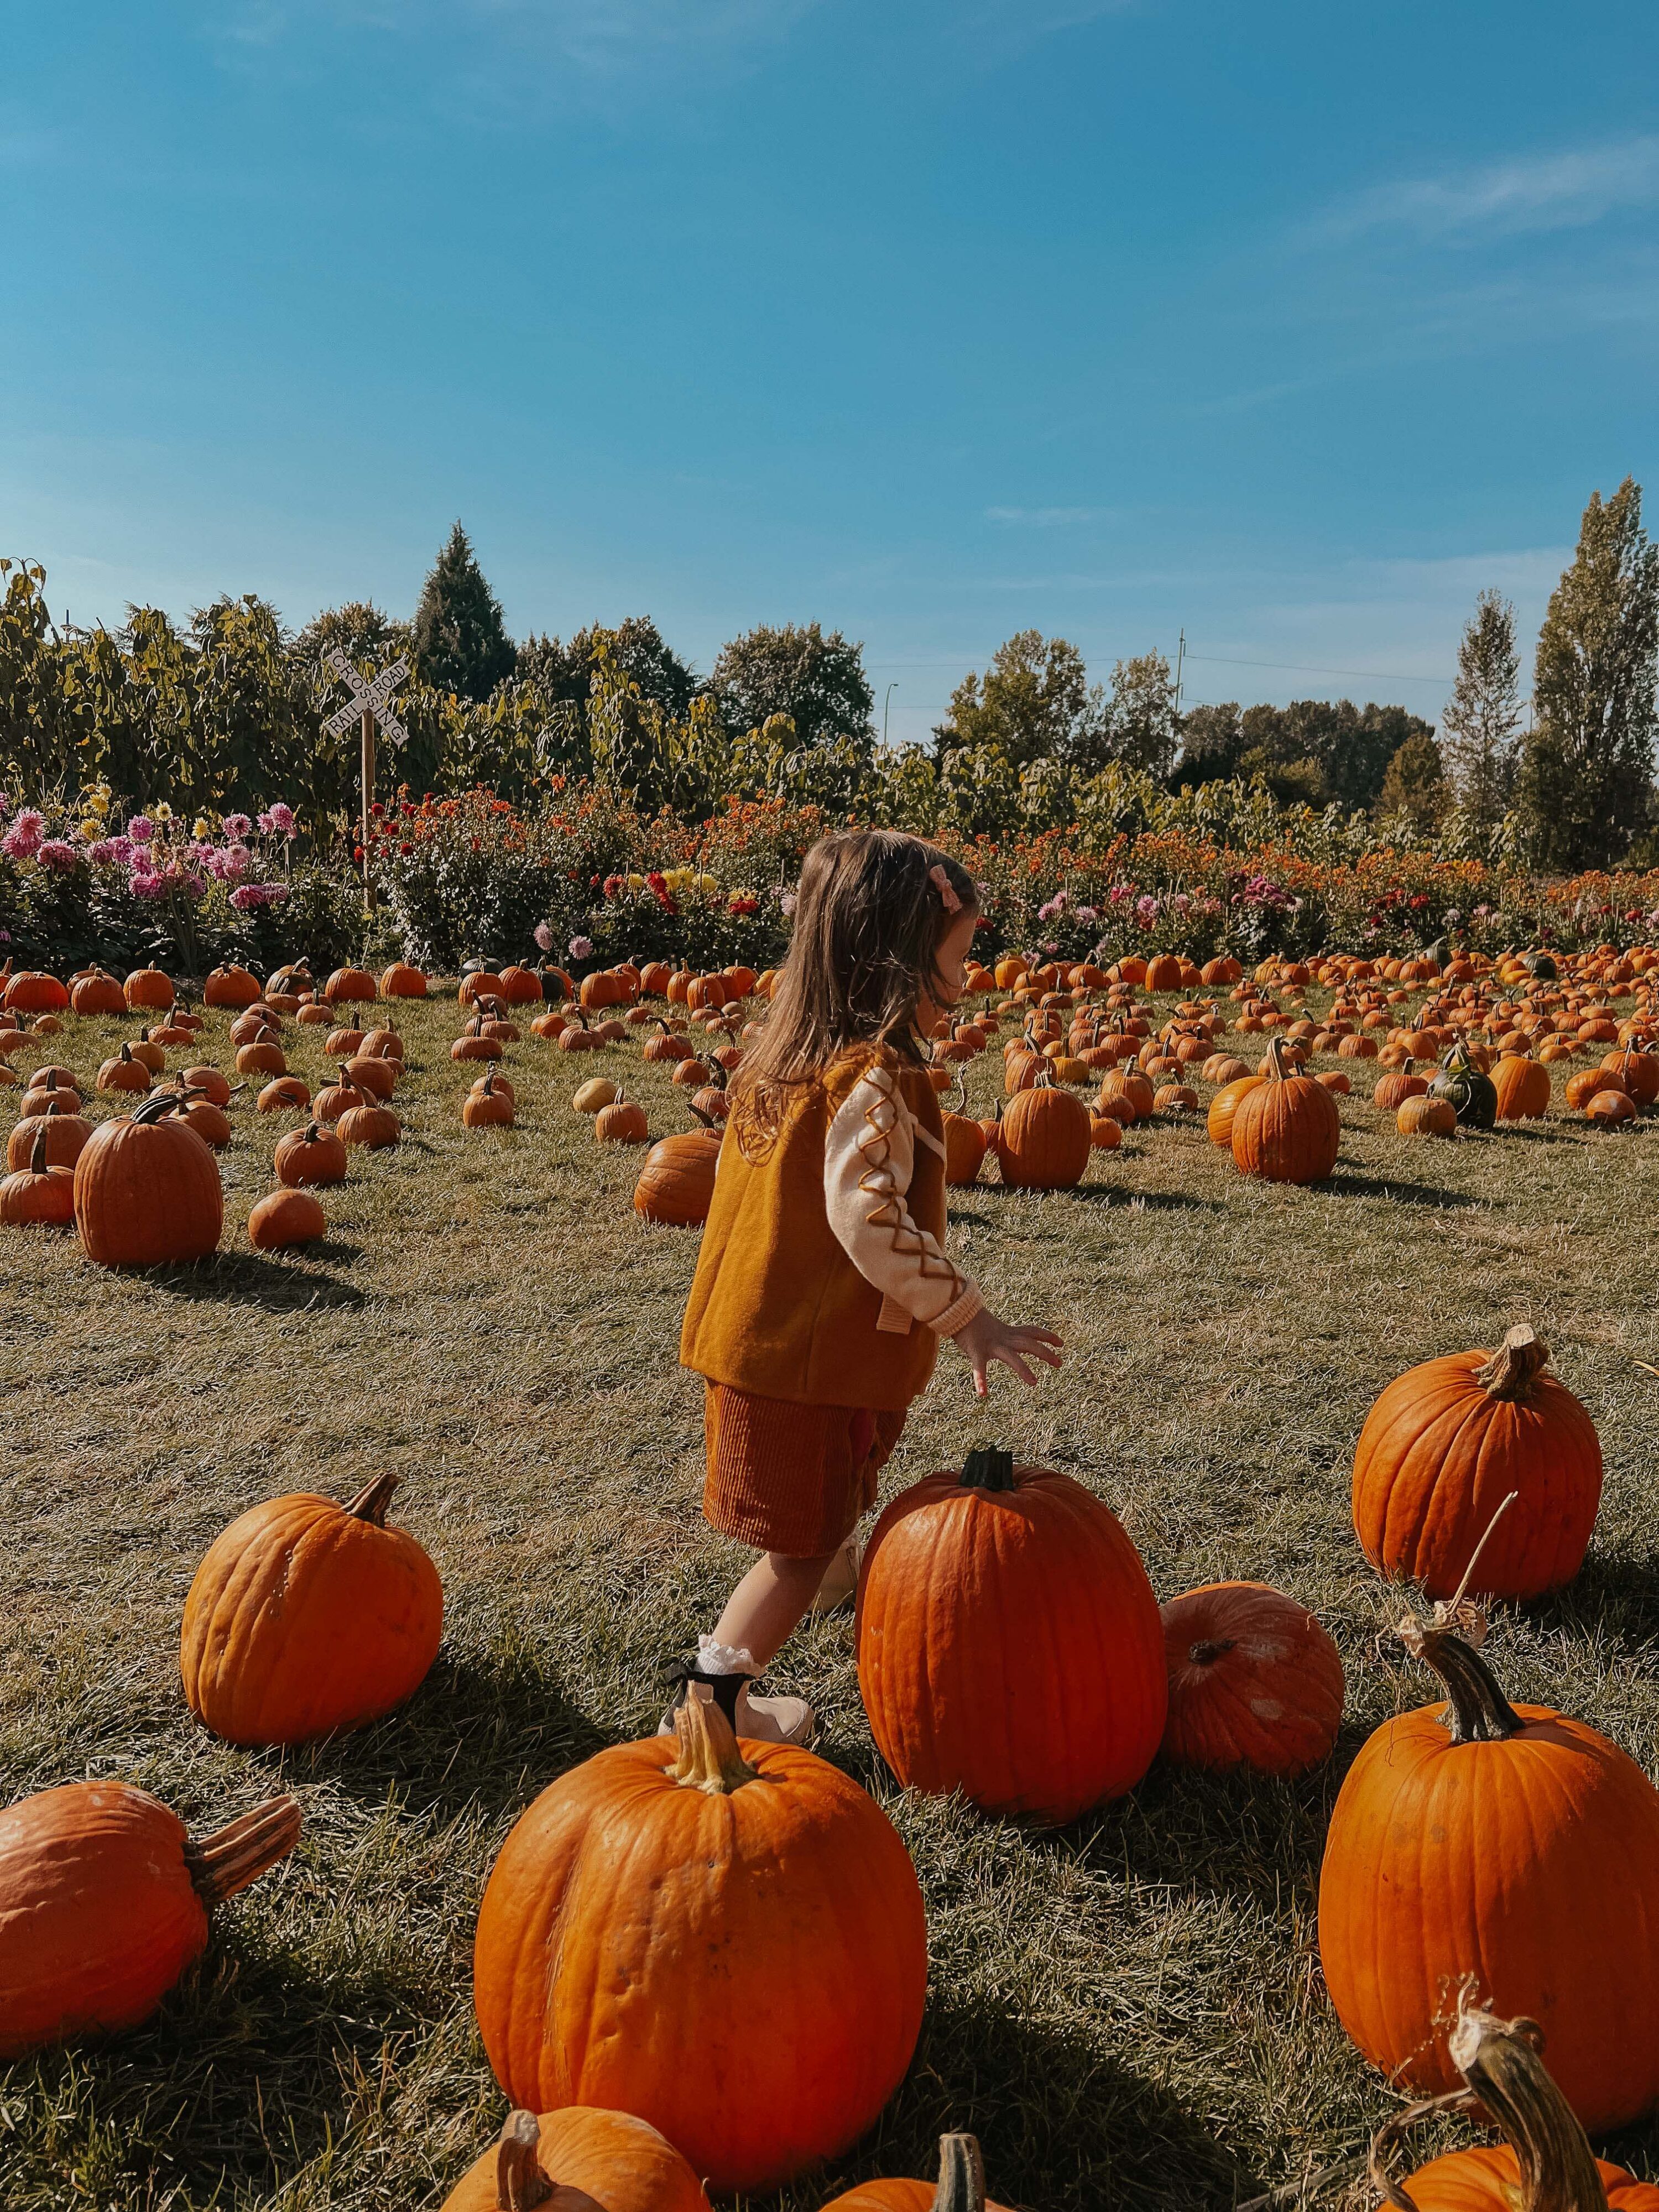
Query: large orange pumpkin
402, 980
146, 1189
230, 987
1045, 1138
103, 1903
1523, 1088
677, 1183
1545, 2163
1254, 1680
650, 1929
1442, 1448
1288, 1129
961, 1691
1508, 1843
568, 2160
350, 987
960, 2187
97, 992
306, 1616
148, 990
36, 1194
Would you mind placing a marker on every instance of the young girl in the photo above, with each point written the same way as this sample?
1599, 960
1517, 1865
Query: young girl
822, 1285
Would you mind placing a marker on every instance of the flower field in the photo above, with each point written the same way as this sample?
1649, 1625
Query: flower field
1132, 2007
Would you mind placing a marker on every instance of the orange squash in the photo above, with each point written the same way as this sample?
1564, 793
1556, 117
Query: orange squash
304, 1616
1288, 1130
568, 2160
1254, 1680
106, 1904
1442, 1448
1509, 1841
960, 1694
649, 1928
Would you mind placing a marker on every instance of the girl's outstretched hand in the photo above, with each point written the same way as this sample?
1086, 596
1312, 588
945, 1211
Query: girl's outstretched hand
988, 1337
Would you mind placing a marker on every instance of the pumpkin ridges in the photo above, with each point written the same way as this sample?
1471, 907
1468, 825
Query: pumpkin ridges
792, 2050
1514, 1861
365, 1595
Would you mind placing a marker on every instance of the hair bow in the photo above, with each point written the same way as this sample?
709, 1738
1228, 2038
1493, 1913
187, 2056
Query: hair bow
947, 897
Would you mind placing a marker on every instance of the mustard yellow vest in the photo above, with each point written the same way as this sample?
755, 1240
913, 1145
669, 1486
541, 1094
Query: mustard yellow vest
776, 1307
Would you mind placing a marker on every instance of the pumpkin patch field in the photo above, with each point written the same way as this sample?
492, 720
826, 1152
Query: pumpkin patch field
351, 1508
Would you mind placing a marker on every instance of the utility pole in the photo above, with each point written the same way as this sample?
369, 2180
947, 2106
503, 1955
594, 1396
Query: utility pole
1181, 655
886, 703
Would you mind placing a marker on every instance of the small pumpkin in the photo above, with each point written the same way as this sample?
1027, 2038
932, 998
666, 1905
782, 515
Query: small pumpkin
1426, 1117
36, 1194
590, 1097
403, 980
98, 992
286, 1217
147, 990
350, 987
64, 1131
230, 987
284, 1095
1522, 1087
373, 1127
489, 1105
124, 1072
580, 2157
676, 1181
305, 1616
1254, 1680
622, 1123
374, 1073
313, 1155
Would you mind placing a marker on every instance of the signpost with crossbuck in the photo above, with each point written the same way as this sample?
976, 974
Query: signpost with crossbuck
367, 705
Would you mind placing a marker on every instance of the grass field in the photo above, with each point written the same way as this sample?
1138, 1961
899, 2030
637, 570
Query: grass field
1128, 2011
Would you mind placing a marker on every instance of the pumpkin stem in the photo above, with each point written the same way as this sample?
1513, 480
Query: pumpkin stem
238, 1853
521, 2181
1509, 1373
988, 1468
1206, 1653
961, 2175
372, 1500
1508, 2086
1277, 1070
1480, 1712
706, 1754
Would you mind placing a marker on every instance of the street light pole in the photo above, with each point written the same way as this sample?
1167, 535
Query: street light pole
886, 703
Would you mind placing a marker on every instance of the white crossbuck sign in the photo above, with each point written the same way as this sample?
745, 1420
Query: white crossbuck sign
367, 698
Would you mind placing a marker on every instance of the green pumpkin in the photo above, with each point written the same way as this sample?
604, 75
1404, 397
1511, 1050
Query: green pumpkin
1540, 966
1472, 1096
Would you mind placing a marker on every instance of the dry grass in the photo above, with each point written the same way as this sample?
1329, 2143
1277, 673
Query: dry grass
1127, 2011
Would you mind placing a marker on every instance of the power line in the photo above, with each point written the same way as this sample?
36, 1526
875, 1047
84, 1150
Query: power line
1216, 660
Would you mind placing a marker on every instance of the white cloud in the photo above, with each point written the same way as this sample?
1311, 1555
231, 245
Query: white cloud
1531, 192
1044, 518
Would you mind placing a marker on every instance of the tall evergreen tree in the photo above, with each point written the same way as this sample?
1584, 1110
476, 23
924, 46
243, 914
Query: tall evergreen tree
461, 643
1481, 726
1586, 765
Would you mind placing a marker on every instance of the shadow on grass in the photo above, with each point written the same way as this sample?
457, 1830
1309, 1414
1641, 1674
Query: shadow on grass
484, 1734
1396, 1188
277, 1285
1098, 1194
1615, 1594
1061, 2121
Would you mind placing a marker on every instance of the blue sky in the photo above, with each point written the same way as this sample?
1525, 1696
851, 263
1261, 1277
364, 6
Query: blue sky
1290, 324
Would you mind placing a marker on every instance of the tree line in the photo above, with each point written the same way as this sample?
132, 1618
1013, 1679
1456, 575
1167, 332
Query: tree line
225, 711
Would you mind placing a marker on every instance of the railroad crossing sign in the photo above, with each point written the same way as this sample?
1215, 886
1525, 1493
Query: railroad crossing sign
367, 698
367, 708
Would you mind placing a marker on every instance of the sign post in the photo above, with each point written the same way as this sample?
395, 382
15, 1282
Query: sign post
368, 706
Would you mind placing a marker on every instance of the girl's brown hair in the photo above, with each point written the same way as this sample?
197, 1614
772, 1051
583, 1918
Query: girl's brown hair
869, 920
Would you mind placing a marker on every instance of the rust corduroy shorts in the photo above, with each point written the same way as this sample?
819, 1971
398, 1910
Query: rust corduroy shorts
791, 1478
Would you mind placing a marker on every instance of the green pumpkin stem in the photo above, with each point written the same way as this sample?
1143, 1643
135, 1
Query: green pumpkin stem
1509, 1373
238, 1853
707, 1756
1479, 1710
372, 1500
1507, 2086
961, 2175
521, 2181
988, 1466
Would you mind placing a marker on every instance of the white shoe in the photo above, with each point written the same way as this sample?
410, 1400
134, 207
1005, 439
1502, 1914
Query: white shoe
774, 1720
840, 1577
